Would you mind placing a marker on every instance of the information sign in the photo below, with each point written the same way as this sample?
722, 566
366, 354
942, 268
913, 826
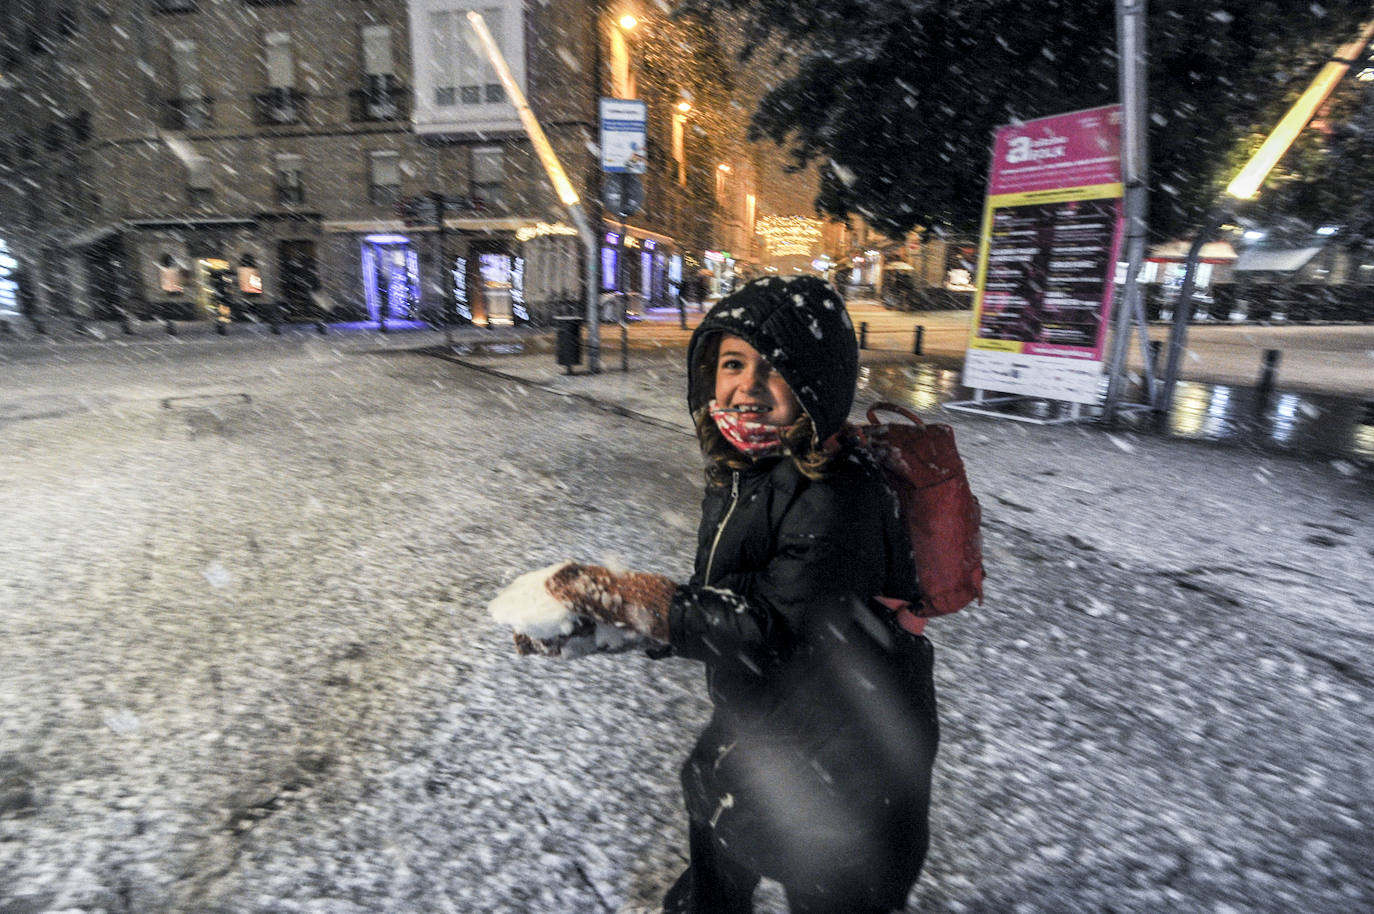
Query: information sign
623, 135
1051, 235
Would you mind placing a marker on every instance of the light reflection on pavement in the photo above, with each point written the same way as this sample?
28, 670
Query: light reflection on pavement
1305, 424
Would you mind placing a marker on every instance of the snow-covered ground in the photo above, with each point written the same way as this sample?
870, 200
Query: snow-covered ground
245, 664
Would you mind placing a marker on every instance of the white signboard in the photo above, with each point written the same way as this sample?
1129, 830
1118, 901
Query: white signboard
1051, 234
623, 127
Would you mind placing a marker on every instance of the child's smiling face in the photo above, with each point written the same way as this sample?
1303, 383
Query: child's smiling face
746, 383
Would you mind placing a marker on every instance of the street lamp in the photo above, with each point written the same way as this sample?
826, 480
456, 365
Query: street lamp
679, 140
1246, 184
622, 75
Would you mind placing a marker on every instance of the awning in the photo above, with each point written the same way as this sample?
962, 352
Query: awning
635, 231
1275, 260
191, 222
1212, 251
82, 239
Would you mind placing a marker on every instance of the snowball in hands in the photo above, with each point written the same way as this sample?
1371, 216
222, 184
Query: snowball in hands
527, 606
545, 624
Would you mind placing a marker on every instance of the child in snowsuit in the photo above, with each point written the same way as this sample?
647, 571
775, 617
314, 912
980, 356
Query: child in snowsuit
814, 769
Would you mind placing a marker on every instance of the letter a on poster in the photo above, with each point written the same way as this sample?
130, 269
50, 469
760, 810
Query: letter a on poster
1052, 227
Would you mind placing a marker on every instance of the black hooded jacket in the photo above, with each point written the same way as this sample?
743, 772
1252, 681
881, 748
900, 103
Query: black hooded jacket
815, 766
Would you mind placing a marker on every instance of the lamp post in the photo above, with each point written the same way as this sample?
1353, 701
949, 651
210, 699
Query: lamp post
1243, 188
683, 108
557, 177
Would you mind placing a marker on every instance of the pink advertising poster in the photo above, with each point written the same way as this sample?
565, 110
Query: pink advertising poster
1050, 241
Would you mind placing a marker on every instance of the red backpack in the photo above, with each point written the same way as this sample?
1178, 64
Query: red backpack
923, 467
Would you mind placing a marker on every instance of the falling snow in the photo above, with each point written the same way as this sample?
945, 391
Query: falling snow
247, 663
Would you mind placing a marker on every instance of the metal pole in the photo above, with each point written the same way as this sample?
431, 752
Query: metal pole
1183, 309
557, 176
1130, 32
623, 279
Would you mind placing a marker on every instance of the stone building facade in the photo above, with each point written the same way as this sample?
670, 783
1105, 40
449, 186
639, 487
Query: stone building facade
315, 160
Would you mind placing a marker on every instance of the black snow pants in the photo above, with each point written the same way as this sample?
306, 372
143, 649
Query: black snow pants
714, 884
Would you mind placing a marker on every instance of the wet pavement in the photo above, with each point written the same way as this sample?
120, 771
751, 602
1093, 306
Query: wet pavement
1297, 424
1338, 424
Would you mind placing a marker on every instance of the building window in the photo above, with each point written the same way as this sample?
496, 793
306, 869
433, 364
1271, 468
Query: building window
488, 176
249, 276
454, 76
281, 67
190, 109
281, 103
186, 68
384, 178
290, 179
172, 276
382, 98
377, 58
199, 188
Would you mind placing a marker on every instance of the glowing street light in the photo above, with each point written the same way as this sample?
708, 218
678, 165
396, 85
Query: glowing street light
557, 176
1246, 184
628, 22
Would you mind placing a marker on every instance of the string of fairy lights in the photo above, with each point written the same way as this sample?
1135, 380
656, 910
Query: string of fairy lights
789, 236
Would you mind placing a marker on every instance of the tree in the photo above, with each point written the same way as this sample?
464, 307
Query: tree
898, 99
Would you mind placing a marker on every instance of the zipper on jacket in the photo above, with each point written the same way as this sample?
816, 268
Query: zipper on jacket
720, 528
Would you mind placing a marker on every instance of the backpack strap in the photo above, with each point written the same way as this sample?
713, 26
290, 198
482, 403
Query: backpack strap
905, 618
885, 406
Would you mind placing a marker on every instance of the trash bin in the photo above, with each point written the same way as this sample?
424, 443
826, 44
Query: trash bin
568, 344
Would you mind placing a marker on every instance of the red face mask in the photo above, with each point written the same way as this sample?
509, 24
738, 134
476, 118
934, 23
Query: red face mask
748, 436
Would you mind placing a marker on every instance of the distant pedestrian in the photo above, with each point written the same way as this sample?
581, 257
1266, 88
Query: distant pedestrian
814, 769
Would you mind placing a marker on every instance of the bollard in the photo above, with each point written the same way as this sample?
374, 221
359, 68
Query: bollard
1269, 367
863, 334
624, 347
1155, 346
918, 348
222, 328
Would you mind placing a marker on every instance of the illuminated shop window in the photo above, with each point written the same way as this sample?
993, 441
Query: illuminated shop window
172, 276
250, 277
